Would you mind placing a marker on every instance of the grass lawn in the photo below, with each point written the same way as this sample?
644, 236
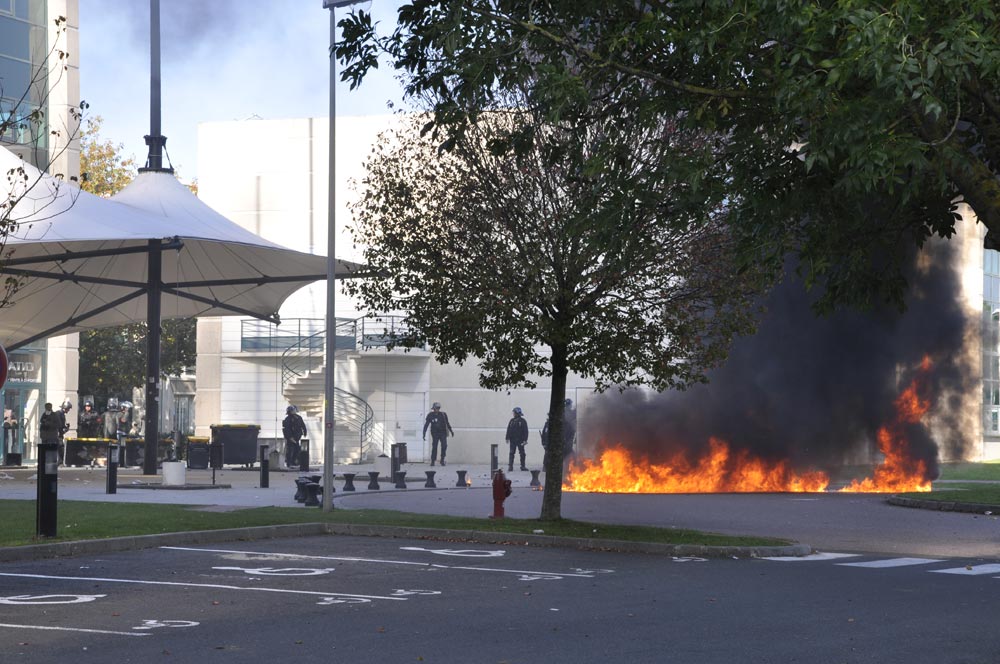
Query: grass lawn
987, 470
985, 494
78, 520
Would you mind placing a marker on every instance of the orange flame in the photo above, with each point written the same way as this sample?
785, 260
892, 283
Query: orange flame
719, 471
899, 471
722, 470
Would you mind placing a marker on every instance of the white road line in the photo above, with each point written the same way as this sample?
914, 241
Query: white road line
74, 629
893, 562
200, 585
376, 560
819, 555
971, 570
515, 571
298, 555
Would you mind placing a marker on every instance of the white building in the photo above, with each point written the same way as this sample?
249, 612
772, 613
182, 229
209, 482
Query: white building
49, 370
270, 176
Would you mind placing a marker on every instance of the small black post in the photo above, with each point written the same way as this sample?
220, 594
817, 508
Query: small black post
534, 478
112, 485
304, 455
494, 459
47, 490
461, 478
349, 482
373, 480
400, 478
429, 484
394, 460
265, 468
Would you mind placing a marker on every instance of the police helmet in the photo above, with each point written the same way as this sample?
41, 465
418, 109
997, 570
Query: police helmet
435, 406
569, 403
88, 404
290, 410
518, 411
67, 405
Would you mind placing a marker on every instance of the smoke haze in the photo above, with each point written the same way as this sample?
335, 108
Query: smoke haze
813, 390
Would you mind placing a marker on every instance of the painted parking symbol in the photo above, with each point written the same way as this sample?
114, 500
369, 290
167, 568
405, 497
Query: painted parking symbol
159, 624
49, 599
281, 571
400, 592
463, 553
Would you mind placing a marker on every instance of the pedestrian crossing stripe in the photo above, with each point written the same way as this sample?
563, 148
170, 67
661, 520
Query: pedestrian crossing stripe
893, 562
971, 570
819, 555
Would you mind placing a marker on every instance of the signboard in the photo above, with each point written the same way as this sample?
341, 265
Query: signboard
4, 364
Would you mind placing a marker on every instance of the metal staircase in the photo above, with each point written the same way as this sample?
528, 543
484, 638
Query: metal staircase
303, 381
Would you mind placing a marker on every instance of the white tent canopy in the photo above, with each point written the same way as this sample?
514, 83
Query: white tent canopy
85, 261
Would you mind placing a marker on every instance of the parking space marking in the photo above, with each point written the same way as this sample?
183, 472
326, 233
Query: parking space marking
462, 553
281, 571
203, 585
73, 629
49, 599
579, 572
970, 570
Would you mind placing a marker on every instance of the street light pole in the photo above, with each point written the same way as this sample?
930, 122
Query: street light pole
331, 268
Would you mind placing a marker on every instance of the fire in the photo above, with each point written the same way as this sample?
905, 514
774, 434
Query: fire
899, 471
719, 471
723, 470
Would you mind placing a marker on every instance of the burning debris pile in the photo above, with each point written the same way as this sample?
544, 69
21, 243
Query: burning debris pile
799, 399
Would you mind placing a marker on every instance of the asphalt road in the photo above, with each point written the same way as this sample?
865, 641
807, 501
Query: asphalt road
827, 521
349, 599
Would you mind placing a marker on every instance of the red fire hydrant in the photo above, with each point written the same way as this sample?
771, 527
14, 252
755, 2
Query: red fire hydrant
501, 490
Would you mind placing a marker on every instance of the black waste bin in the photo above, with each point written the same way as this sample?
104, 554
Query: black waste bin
239, 442
197, 456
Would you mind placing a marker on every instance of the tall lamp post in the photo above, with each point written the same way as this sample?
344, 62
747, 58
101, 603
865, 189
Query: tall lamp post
331, 267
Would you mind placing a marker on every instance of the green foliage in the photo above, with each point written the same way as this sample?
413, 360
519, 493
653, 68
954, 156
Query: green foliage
113, 359
104, 171
586, 249
853, 129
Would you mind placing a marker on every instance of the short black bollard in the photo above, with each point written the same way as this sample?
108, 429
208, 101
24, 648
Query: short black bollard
373, 477
47, 490
349, 482
112, 480
534, 478
304, 455
461, 478
400, 479
265, 468
429, 484
300, 489
312, 494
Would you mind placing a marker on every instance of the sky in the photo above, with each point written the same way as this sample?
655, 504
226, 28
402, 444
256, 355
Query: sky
220, 60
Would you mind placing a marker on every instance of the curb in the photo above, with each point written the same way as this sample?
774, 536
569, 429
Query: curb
139, 542
944, 505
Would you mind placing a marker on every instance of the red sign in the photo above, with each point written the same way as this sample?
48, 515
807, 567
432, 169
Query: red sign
4, 365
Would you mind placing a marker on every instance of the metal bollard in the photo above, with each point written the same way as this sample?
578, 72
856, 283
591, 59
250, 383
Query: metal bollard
400, 479
494, 459
373, 480
265, 468
534, 478
112, 479
429, 484
47, 490
461, 478
304, 455
349, 482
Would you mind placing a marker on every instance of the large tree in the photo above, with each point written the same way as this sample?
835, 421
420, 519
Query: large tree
575, 252
113, 359
854, 128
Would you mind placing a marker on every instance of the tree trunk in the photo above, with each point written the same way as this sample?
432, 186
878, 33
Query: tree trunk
552, 495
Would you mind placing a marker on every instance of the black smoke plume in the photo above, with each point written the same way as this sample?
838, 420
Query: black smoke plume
813, 390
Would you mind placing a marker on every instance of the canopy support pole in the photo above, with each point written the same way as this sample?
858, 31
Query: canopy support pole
152, 427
